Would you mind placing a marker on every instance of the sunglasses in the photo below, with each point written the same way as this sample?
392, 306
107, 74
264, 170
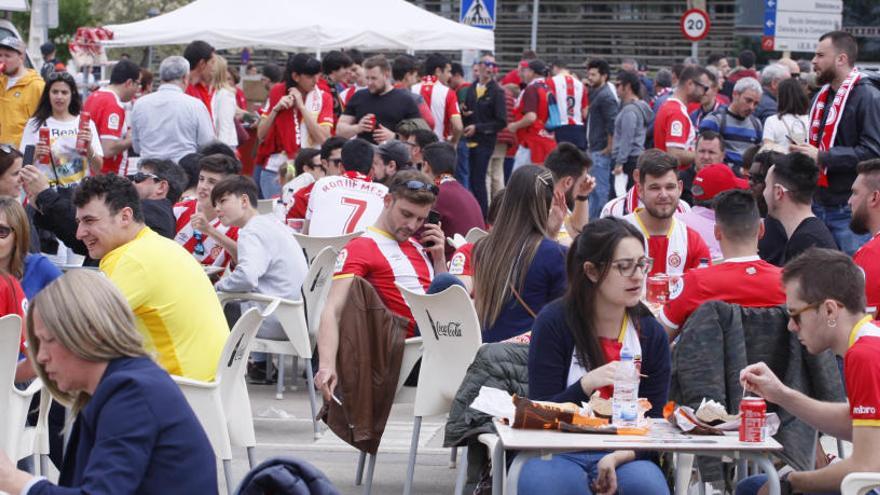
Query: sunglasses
417, 185
756, 179
7, 148
705, 88
796, 315
60, 76
629, 266
142, 176
489, 64
5, 230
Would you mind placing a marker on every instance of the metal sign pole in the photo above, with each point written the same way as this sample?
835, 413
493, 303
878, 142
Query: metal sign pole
534, 44
695, 49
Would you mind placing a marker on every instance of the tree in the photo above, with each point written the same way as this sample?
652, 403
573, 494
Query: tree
72, 14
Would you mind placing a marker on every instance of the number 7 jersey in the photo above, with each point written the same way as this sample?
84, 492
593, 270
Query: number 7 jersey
343, 204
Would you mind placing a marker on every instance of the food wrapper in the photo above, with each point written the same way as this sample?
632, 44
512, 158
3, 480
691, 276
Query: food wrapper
708, 419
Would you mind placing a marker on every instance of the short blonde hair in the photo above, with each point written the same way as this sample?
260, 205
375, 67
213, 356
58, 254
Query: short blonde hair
90, 317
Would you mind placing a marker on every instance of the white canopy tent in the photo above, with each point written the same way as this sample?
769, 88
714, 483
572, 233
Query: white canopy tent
304, 25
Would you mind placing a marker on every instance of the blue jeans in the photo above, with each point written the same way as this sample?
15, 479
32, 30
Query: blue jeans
752, 484
443, 281
601, 170
462, 169
508, 168
257, 171
574, 134
478, 161
269, 185
574, 473
837, 219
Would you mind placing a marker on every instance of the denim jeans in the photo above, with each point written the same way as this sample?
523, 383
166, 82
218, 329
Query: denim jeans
478, 160
269, 185
258, 170
752, 484
837, 219
462, 169
601, 170
508, 168
574, 134
574, 473
443, 281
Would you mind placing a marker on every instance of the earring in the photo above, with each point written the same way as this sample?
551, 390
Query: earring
832, 323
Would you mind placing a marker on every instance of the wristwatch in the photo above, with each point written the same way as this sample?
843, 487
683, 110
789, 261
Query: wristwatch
582, 198
785, 486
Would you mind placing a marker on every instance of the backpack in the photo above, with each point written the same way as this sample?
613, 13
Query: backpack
553, 119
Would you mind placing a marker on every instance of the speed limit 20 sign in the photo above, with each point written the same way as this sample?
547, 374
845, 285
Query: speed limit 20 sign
695, 24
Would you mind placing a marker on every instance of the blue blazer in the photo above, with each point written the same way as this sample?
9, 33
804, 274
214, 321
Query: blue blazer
137, 435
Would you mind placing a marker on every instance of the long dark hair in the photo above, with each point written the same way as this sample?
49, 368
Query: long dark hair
792, 98
44, 107
595, 244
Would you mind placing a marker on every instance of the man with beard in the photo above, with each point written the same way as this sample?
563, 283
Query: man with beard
674, 247
673, 131
569, 166
386, 255
865, 204
771, 247
374, 114
844, 130
789, 189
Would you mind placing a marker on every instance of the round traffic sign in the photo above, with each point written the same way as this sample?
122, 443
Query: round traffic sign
695, 24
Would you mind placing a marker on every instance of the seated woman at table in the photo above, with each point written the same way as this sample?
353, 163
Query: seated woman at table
134, 431
575, 350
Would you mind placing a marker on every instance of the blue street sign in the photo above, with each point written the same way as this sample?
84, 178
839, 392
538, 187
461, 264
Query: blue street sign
770, 17
479, 13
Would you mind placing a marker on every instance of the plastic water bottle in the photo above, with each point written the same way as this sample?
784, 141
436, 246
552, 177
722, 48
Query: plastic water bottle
625, 402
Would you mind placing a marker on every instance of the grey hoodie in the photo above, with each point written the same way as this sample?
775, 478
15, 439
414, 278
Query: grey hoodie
630, 128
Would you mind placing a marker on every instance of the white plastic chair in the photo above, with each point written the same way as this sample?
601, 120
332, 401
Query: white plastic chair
16, 439
412, 352
451, 338
316, 286
313, 245
264, 206
222, 405
859, 483
475, 234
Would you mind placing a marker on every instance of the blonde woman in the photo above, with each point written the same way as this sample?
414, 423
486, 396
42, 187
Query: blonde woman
133, 430
223, 105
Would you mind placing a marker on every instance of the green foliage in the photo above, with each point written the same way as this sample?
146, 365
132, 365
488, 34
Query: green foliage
71, 15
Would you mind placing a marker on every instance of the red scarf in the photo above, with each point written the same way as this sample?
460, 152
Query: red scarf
829, 131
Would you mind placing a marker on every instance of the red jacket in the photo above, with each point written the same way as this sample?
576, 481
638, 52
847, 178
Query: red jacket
282, 134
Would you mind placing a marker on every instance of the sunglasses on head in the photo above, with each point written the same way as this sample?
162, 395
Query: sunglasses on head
60, 76
417, 185
142, 176
6, 148
5, 230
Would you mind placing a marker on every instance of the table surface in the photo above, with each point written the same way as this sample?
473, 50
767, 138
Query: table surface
662, 436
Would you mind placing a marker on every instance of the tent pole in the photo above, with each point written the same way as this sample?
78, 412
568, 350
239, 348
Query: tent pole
535, 25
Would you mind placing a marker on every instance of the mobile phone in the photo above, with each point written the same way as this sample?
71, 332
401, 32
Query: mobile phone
28, 158
433, 218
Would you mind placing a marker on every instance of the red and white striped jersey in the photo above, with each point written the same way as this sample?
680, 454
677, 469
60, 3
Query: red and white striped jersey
341, 205
377, 257
571, 98
210, 253
347, 93
443, 104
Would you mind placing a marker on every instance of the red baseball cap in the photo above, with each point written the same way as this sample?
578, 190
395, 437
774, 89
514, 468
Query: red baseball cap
713, 180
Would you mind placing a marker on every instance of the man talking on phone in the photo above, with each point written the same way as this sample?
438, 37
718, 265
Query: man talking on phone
385, 255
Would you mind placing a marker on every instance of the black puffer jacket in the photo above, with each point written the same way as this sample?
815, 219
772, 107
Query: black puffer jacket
720, 339
286, 476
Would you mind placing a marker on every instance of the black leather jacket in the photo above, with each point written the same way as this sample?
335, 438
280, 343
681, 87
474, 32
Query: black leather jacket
858, 139
489, 112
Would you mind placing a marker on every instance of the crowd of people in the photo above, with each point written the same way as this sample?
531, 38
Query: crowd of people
758, 189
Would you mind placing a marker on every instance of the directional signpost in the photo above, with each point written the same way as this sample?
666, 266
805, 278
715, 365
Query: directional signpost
796, 25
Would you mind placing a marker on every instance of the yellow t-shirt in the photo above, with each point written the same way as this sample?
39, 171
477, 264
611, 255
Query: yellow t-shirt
174, 304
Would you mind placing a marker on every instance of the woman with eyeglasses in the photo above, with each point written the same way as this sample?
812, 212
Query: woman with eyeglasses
59, 111
32, 271
575, 350
518, 267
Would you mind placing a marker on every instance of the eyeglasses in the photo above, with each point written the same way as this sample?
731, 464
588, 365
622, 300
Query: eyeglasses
335, 161
705, 88
489, 64
796, 315
627, 267
756, 179
142, 176
199, 248
5, 230
417, 185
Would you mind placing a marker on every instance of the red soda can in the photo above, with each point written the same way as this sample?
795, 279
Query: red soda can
372, 122
44, 141
658, 288
82, 144
753, 416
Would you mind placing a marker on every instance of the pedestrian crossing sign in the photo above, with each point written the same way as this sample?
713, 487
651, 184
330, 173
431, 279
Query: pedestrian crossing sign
478, 13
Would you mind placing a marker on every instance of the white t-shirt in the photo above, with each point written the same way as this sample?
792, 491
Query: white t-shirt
796, 126
69, 166
341, 205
